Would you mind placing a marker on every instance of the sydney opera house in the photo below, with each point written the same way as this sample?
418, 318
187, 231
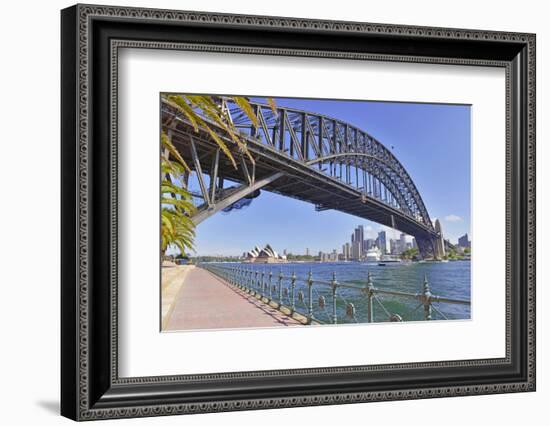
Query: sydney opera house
265, 255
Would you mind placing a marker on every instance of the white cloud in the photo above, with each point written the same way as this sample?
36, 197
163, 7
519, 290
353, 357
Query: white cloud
453, 218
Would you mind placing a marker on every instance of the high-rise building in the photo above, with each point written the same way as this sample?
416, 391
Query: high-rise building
402, 243
393, 247
307, 252
464, 242
356, 250
346, 251
382, 242
370, 243
357, 243
361, 230
359, 236
414, 245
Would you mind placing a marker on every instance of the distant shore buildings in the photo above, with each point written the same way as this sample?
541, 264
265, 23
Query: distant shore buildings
360, 248
265, 255
372, 249
464, 242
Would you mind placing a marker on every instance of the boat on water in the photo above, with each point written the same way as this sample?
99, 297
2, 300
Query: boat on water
389, 260
372, 255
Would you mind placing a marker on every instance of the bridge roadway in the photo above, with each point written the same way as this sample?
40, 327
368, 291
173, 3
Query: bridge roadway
207, 302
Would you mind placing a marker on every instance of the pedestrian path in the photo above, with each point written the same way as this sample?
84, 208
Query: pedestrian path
205, 301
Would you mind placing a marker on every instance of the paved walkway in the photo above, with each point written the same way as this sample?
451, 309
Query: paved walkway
207, 302
173, 277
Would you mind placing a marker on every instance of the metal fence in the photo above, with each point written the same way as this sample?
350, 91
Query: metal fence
324, 301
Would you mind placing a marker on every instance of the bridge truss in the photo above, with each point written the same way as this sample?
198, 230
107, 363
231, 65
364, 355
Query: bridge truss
307, 156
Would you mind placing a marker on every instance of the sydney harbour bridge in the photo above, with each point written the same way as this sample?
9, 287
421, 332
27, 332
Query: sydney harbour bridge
307, 156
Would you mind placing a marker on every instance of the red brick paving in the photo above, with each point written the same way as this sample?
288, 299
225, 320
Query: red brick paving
207, 302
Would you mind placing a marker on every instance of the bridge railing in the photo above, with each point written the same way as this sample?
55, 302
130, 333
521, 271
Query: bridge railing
325, 301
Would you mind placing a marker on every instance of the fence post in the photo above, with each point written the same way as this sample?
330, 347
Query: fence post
292, 291
427, 299
370, 295
270, 283
334, 287
310, 297
280, 286
262, 282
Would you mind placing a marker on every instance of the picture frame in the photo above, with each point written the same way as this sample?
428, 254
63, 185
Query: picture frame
90, 384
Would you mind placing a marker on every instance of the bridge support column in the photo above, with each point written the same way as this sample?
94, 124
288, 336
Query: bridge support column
426, 247
439, 244
439, 249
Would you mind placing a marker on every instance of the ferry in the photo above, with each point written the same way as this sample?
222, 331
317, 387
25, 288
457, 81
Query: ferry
386, 260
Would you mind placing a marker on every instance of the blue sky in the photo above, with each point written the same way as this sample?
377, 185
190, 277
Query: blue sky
432, 141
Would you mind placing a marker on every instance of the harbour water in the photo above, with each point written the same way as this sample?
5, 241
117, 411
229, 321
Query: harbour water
446, 279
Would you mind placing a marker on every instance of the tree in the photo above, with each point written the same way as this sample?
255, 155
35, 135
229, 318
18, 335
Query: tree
451, 255
409, 253
177, 227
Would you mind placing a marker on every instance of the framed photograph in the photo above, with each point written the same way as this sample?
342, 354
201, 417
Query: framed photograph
263, 212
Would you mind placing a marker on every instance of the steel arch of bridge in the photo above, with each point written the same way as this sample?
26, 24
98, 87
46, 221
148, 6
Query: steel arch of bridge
307, 156
339, 149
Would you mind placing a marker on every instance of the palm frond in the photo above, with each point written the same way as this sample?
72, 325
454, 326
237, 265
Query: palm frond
167, 143
245, 107
182, 205
272, 105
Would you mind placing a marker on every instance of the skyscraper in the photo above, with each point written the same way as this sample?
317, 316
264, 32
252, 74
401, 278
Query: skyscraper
382, 242
464, 242
357, 242
356, 250
393, 247
346, 251
402, 243
361, 234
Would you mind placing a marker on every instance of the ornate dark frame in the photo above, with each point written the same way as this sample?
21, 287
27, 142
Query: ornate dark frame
91, 37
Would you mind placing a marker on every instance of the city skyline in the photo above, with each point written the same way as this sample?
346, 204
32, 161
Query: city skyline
418, 134
370, 233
